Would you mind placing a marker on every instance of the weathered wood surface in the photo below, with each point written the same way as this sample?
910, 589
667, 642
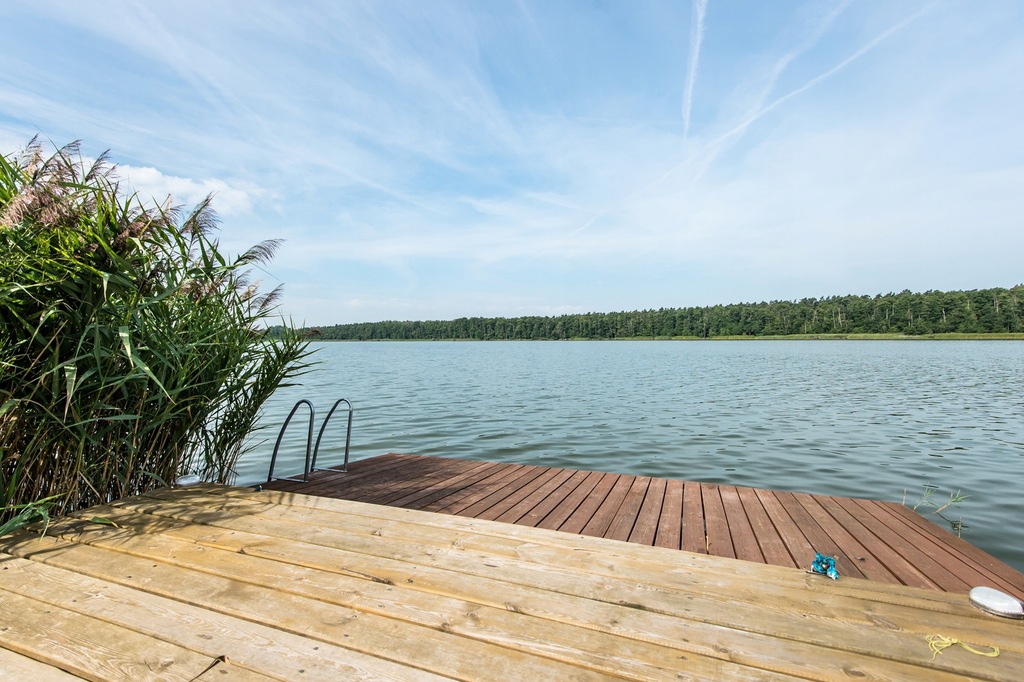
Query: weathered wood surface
881, 541
186, 583
14, 666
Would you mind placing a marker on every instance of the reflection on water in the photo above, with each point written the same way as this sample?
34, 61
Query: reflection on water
871, 419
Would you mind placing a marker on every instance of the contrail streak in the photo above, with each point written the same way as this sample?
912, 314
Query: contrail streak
824, 76
700, 8
715, 147
786, 60
706, 158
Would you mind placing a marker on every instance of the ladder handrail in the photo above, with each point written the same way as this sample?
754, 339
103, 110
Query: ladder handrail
312, 452
309, 438
348, 433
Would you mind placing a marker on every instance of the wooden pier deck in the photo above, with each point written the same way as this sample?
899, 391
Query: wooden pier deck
881, 541
219, 583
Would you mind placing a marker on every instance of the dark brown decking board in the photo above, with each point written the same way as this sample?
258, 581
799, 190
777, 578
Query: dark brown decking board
694, 537
716, 525
670, 522
535, 506
793, 539
650, 512
953, 559
880, 541
582, 511
566, 506
628, 512
772, 546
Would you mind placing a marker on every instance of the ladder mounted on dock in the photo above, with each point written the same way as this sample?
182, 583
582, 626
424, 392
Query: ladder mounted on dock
312, 450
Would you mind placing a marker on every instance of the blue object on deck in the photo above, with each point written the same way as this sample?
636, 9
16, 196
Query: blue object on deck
825, 565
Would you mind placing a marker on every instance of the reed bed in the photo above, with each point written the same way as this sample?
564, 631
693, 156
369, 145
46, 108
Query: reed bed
132, 349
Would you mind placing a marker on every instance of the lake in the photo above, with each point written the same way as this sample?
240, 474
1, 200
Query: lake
877, 419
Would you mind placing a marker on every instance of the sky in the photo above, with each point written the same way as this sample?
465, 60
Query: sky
501, 158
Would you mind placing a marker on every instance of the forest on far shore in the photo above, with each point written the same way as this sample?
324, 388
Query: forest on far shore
981, 311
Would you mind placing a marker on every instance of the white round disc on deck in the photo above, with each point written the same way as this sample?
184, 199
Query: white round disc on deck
997, 603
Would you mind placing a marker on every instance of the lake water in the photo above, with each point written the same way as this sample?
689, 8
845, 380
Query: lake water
877, 419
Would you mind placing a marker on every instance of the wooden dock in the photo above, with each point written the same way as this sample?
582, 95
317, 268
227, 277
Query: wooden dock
881, 541
223, 583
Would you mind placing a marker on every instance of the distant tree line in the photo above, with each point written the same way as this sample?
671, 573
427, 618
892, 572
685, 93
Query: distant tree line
906, 313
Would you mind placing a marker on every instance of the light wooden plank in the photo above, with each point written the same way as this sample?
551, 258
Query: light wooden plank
383, 534
949, 559
776, 622
256, 646
600, 558
335, 517
226, 671
91, 648
578, 653
597, 553
425, 647
14, 666
834, 614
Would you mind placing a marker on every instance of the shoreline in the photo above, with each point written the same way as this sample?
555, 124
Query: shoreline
952, 336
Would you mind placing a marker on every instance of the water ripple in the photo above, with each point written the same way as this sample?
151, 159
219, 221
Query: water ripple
865, 419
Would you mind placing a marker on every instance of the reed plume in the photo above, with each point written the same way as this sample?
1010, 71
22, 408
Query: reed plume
132, 349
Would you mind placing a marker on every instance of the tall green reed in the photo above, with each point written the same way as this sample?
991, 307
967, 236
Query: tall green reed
132, 349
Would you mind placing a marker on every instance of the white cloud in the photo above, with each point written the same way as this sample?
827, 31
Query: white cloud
230, 198
455, 154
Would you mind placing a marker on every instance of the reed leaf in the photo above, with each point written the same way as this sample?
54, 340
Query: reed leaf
133, 349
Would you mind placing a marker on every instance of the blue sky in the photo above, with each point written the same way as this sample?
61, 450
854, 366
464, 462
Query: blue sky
432, 160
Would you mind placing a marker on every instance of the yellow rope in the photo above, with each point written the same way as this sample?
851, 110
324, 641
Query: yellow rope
939, 642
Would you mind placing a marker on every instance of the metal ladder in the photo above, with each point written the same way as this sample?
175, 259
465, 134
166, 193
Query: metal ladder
311, 450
